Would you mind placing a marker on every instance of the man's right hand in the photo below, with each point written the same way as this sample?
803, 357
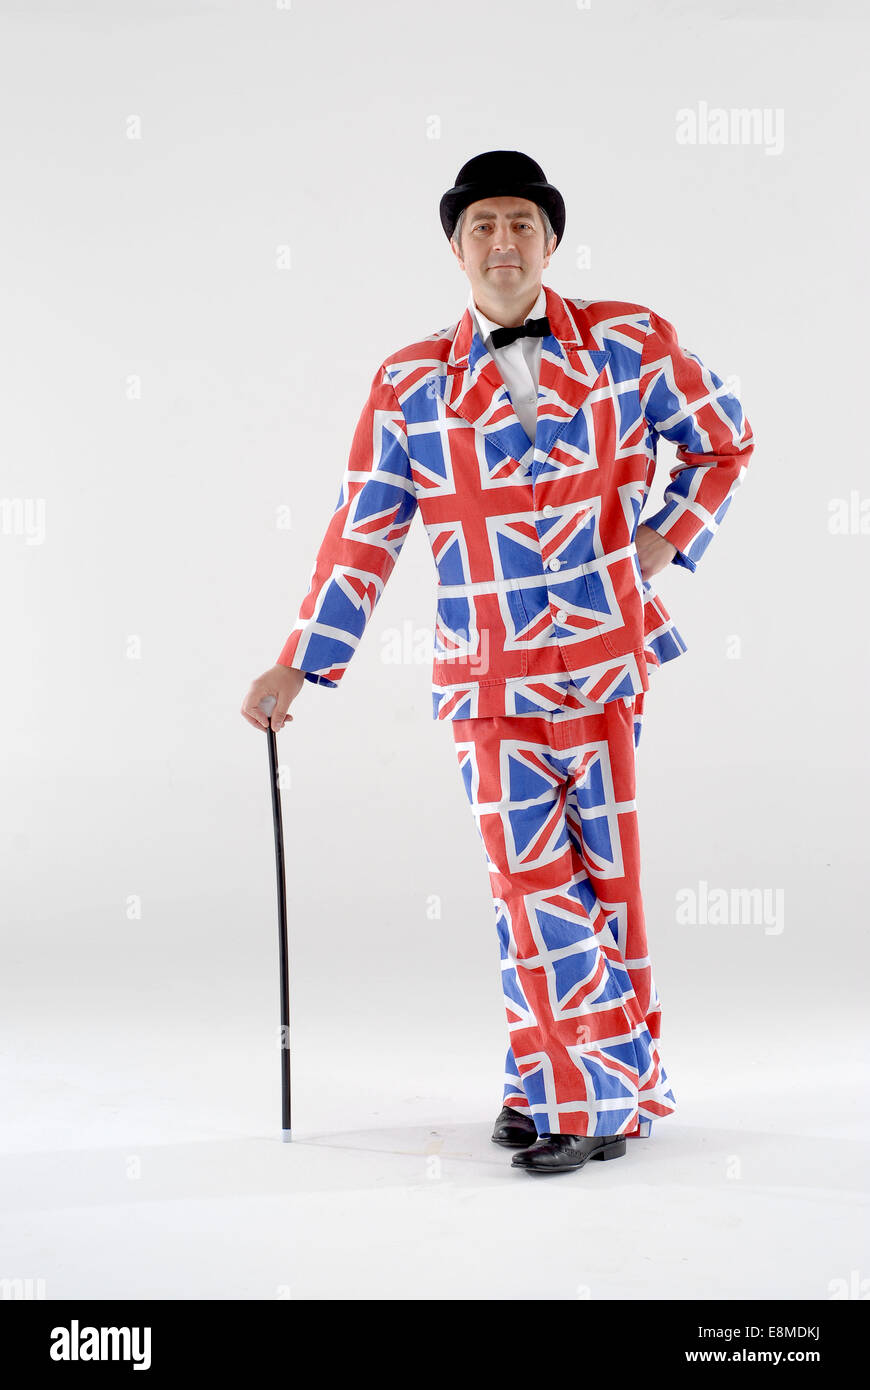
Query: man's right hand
284, 682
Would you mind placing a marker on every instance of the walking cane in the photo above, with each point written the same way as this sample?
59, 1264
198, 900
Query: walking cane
267, 704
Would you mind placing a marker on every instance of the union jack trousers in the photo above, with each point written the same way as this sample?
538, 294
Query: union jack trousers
553, 796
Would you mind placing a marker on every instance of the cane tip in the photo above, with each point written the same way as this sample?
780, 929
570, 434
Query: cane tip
286, 1136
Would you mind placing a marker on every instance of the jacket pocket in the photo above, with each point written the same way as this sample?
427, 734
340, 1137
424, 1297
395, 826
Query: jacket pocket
481, 638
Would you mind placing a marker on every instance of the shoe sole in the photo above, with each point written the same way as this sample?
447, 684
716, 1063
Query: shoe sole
516, 1143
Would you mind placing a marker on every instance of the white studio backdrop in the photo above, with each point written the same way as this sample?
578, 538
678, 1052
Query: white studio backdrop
220, 218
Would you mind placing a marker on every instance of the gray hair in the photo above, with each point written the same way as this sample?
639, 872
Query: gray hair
548, 228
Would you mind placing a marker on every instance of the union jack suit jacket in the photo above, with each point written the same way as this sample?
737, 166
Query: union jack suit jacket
539, 586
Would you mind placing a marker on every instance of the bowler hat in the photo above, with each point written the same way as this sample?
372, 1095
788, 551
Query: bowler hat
502, 172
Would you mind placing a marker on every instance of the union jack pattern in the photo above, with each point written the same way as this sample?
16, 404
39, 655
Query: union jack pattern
540, 596
553, 797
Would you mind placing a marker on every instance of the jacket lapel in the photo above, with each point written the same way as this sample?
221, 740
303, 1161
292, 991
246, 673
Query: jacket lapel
474, 389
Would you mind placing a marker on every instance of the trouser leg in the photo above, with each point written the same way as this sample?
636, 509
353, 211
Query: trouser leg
513, 1093
603, 828
554, 805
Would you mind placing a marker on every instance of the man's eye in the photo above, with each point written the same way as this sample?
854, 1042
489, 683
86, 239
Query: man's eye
479, 226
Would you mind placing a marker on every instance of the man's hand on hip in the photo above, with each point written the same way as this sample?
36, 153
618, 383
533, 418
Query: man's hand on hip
284, 682
653, 551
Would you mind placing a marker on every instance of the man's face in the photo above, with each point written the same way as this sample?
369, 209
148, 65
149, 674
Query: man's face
503, 252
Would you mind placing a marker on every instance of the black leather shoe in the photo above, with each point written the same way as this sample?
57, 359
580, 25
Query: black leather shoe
561, 1153
514, 1129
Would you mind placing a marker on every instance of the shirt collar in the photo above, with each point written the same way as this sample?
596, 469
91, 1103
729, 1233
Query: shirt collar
486, 326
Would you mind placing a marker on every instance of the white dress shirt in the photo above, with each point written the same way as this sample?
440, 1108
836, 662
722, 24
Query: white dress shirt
519, 362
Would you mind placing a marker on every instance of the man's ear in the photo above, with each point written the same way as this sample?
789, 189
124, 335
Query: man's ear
457, 253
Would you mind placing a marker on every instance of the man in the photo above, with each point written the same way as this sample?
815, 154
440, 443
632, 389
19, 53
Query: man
526, 435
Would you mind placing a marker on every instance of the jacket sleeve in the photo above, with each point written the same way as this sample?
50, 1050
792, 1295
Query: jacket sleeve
688, 404
376, 505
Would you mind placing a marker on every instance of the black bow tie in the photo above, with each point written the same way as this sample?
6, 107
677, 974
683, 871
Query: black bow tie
532, 328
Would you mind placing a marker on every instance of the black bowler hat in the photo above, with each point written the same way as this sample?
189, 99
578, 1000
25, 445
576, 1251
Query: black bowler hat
502, 172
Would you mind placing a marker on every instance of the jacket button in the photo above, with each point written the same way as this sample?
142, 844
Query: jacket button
548, 510
555, 564
561, 616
